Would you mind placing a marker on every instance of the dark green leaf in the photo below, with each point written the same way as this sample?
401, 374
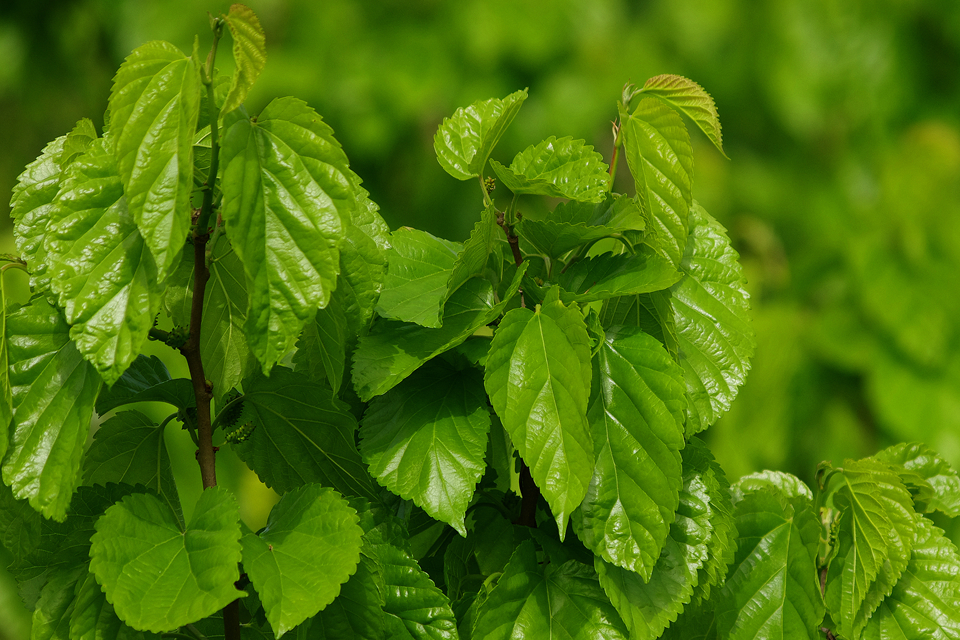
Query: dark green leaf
321, 351
249, 53
472, 260
538, 379
51, 618
425, 440
358, 610
287, 193
53, 390
418, 268
309, 548
153, 113
557, 238
6, 391
547, 602
93, 618
690, 98
711, 309
129, 448
223, 345
658, 151
561, 168
773, 590
607, 275
652, 312
147, 380
695, 623
302, 434
942, 480
464, 141
104, 276
394, 350
19, 525
159, 575
636, 421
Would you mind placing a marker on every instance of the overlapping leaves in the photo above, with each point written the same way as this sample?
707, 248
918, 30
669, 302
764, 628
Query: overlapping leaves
691, 99
561, 168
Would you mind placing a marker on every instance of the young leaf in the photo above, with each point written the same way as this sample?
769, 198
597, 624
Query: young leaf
547, 602
877, 530
159, 575
609, 275
925, 602
557, 238
425, 440
649, 603
287, 190
932, 469
394, 350
636, 421
710, 306
538, 379
147, 380
30, 209
652, 312
302, 434
465, 140
153, 111
660, 157
321, 350
773, 590
249, 53
476, 251
362, 262
560, 168
53, 391
83, 134
418, 268
104, 276
692, 100
129, 448
789, 485
309, 548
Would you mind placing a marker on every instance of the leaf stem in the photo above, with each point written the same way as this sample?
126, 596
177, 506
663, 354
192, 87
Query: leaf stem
616, 152
487, 202
195, 632
207, 76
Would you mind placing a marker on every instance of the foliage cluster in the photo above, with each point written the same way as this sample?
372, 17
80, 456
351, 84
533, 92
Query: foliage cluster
483, 439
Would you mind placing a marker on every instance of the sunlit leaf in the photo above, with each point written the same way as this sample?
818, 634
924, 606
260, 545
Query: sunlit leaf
363, 262
652, 312
927, 465
784, 483
608, 275
561, 168
690, 98
464, 140
249, 53
538, 379
321, 349
223, 344
153, 111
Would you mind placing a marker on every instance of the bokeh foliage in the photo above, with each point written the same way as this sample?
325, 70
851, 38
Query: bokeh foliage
843, 194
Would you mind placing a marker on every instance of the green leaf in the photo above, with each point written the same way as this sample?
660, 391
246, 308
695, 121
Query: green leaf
465, 140
787, 484
554, 239
608, 275
652, 312
362, 262
249, 53
309, 548
19, 525
711, 309
636, 421
415, 607
104, 276
560, 168
78, 141
153, 111
223, 345
51, 618
695, 623
660, 157
925, 602
773, 590
53, 390
358, 610
935, 472
472, 260
876, 534
322, 348
418, 268
147, 380
30, 209
158, 575
538, 379
129, 448
425, 440
394, 350
93, 618
302, 435
6, 391
547, 602
649, 603
692, 100
287, 192
722, 544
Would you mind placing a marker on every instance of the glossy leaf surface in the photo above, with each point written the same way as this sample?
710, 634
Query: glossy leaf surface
636, 422
309, 548
658, 151
425, 440
302, 434
711, 310
464, 140
476, 251
159, 575
146, 380
538, 379
154, 108
287, 188
691, 99
249, 53
362, 262
53, 390
321, 350
943, 481
607, 275
557, 167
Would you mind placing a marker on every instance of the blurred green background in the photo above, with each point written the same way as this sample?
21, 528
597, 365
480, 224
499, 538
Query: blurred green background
842, 192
